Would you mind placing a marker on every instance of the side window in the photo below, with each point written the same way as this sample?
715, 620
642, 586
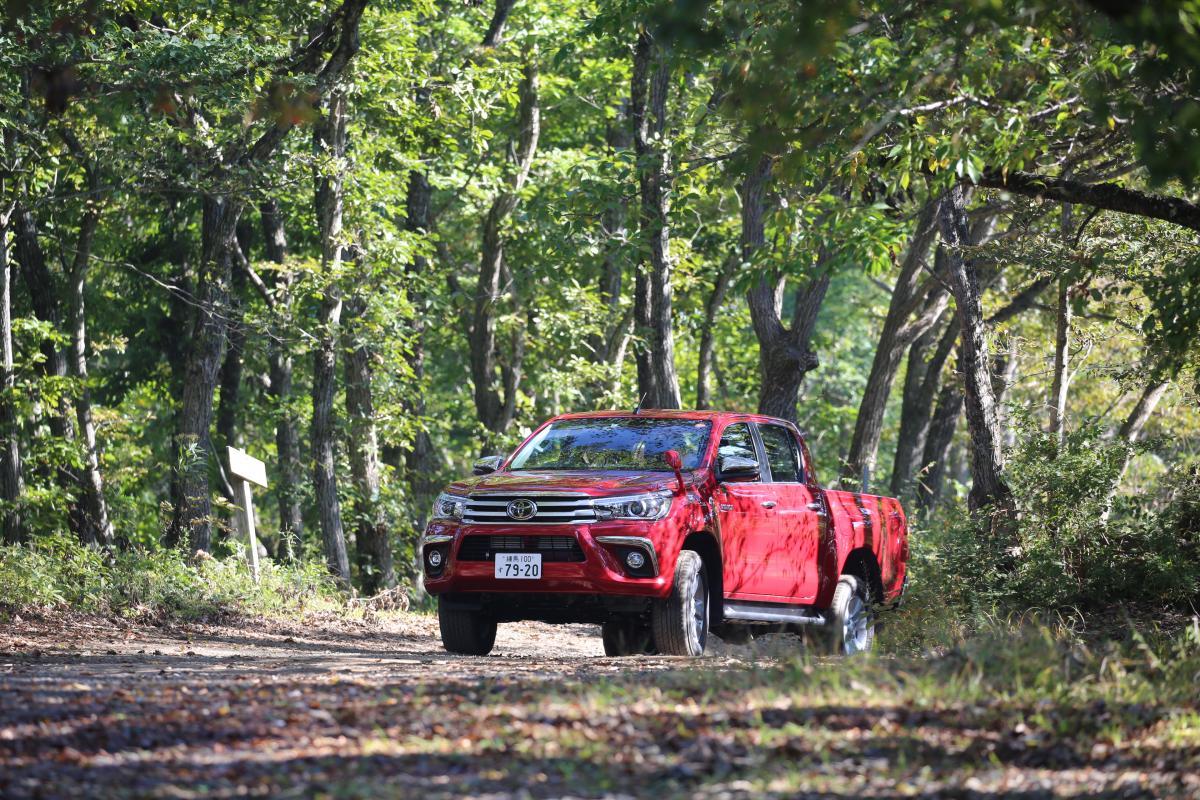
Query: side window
737, 441
781, 453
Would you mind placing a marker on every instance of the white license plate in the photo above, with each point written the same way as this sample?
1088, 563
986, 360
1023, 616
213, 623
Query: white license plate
519, 566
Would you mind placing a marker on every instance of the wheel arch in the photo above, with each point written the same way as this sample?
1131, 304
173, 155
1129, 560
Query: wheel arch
862, 563
705, 543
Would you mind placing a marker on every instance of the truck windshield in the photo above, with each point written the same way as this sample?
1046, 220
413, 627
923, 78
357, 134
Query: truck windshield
617, 443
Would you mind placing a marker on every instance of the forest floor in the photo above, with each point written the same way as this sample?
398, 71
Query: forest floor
94, 707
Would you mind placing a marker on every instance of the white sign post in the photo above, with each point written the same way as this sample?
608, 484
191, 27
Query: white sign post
250, 470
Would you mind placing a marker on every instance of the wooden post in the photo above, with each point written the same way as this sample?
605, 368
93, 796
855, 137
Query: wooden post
250, 470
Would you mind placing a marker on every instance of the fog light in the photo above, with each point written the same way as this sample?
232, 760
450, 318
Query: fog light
635, 560
435, 558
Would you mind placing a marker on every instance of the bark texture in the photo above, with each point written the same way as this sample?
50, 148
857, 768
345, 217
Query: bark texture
922, 381
11, 484
329, 141
371, 537
785, 353
657, 379
1108, 196
496, 395
93, 505
988, 488
280, 368
712, 306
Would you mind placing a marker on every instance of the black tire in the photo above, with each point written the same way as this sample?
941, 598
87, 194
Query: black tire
627, 637
851, 626
680, 622
466, 632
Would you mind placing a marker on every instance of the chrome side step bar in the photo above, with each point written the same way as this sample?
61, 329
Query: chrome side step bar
743, 611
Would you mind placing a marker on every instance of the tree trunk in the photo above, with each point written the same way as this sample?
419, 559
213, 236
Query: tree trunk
191, 521
909, 296
1131, 431
372, 542
608, 346
234, 364
45, 296
94, 506
11, 486
937, 443
279, 366
496, 408
1062, 346
329, 141
922, 380
987, 485
420, 458
712, 307
648, 104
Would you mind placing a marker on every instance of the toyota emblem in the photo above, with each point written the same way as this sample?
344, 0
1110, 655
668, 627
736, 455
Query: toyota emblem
522, 509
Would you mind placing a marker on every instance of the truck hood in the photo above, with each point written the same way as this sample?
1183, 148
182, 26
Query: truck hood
594, 483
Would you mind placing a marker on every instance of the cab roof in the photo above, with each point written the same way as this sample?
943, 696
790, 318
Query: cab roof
661, 413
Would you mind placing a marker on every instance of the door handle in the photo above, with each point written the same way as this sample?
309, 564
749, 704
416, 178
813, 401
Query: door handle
815, 507
769, 503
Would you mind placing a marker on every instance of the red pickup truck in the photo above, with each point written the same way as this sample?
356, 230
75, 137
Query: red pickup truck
661, 526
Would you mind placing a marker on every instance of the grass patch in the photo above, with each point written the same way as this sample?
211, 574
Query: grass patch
57, 572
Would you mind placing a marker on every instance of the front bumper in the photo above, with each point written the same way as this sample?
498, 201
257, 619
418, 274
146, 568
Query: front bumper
601, 572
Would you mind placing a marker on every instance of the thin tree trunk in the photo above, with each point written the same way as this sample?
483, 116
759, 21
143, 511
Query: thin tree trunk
279, 366
987, 485
12, 487
608, 346
233, 366
496, 410
420, 458
1131, 431
45, 295
1062, 366
909, 296
329, 141
936, 454
650, 84
922, 379
716, 299
94, 505
372, 542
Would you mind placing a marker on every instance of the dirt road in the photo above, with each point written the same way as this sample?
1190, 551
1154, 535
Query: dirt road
92, 708
96, 708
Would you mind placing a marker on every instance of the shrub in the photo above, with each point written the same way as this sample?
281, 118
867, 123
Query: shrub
1062, 551
56, 571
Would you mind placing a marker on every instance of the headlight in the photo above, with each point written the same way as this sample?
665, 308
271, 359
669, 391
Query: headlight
448, 506
642, 506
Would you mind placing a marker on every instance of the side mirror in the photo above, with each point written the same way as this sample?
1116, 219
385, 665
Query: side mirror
737, 468
676, 464
487, 465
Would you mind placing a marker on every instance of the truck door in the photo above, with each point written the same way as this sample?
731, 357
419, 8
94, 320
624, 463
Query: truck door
743, 503
795, 529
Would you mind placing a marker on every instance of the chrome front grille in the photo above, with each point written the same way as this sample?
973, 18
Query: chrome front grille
560, 509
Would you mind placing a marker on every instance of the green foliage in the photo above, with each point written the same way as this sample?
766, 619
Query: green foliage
157, 584
1073, 544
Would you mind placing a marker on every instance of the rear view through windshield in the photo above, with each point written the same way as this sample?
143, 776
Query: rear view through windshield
629, 443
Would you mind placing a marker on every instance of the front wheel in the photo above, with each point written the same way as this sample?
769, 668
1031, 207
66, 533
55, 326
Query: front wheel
851, 626
466, 632
680, 621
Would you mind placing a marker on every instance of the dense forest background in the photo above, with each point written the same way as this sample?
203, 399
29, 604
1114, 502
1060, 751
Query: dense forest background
369, 242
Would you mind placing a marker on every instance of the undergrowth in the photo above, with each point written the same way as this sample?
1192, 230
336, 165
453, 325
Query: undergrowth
57, 572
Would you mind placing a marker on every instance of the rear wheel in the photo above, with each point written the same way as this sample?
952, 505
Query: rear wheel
851, 626
466, 632
627, 637
680, 621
